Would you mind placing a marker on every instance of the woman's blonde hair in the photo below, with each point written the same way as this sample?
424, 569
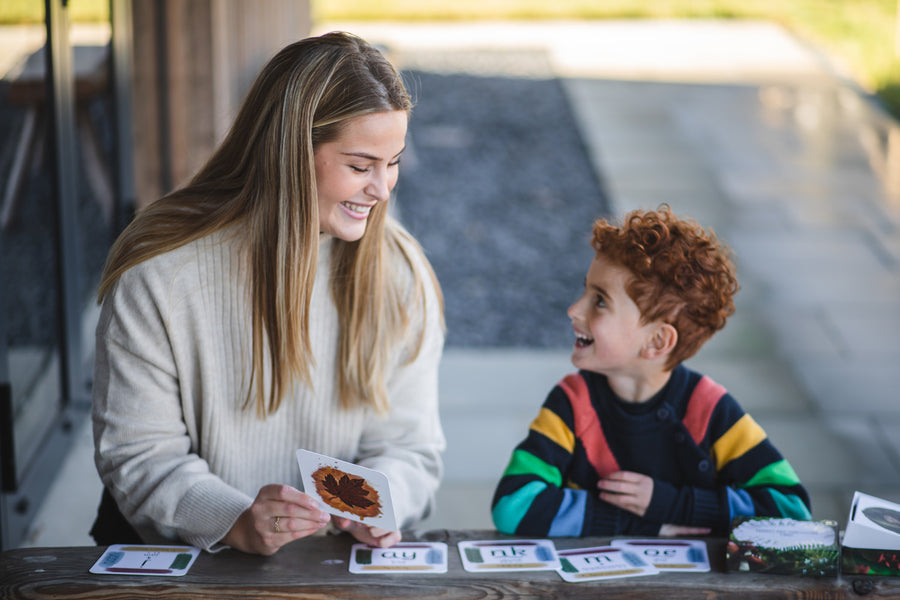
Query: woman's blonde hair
263, 177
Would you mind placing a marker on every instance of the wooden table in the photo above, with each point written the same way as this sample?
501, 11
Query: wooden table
317, 568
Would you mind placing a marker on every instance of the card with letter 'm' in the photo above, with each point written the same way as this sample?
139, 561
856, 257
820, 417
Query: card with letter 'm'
604, 562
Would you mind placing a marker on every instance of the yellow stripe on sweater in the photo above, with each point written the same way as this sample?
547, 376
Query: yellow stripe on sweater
741, 437
551, 425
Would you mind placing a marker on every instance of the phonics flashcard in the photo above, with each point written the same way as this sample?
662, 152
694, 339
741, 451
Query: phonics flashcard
512, 555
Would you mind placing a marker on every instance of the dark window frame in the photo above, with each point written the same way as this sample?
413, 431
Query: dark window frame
23, 486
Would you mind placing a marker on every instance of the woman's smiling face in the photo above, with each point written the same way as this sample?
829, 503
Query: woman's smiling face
358, 170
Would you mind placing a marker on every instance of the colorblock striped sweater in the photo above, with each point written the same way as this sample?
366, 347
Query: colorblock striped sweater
709, 460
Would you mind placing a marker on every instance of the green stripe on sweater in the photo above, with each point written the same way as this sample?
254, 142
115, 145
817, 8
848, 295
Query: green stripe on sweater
777, 473
526, 463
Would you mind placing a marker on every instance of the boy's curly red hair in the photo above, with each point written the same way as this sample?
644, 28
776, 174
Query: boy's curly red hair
681, 274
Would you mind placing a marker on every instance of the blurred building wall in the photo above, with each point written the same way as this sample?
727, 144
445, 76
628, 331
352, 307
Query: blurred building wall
193, 62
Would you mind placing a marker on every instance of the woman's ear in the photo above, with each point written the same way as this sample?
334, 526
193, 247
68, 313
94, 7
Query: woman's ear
661, 342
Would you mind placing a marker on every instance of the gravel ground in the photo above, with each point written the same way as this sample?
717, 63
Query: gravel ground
497, 187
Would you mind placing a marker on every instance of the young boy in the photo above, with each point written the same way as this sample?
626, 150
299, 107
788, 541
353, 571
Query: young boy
635, 442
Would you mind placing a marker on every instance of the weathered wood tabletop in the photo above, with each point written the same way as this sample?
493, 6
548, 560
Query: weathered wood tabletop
318, 568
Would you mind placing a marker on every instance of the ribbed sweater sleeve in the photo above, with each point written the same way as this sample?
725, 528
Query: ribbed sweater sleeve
687, 505
531, 498
150, 354
756, 479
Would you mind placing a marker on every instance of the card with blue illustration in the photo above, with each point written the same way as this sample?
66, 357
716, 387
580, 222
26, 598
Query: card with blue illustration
669, 554
136, 559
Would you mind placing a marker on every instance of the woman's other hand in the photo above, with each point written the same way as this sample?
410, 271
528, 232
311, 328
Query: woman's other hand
279, 514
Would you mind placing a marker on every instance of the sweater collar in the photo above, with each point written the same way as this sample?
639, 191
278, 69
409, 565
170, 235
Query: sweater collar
673, 397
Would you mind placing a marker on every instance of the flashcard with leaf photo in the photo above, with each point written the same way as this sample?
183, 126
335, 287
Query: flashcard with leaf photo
348, 490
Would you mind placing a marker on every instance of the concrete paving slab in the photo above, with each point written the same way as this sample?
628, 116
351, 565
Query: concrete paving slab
745, 50
848, 387
69, 510
870, 443
804, 332
759, 216
830, 504
480, 444
819, 455
873, 333
625, 154
809, 251
811, 289
744, 336
499, 379
461, 506
488, 399
889, 430
759, 385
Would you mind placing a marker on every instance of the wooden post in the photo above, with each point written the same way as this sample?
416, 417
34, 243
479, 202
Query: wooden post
193, 63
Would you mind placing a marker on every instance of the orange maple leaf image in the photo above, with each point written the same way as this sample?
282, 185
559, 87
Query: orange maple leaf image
346, 492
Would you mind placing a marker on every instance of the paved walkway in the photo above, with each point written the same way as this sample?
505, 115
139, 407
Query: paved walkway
748, 130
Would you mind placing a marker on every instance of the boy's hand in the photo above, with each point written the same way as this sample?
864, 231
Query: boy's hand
627, 490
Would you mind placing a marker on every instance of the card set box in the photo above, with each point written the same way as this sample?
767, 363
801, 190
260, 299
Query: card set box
871, 543
783, 546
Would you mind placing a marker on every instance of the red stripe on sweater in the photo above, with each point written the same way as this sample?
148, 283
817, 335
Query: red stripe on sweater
700, 407
587, 425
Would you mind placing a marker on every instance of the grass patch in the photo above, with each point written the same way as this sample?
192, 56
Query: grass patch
31, 12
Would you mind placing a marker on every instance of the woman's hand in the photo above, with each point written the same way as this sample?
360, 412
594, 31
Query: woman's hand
627, 490
373, 536
279, 514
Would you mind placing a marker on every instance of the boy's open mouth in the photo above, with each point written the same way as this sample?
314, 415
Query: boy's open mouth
582, 341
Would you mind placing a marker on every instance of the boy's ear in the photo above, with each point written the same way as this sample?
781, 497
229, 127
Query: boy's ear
661, 341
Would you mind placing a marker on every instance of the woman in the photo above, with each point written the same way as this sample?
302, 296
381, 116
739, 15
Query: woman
272, 304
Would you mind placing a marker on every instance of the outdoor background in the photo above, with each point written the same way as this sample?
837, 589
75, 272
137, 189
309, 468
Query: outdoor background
861, 34
537, 119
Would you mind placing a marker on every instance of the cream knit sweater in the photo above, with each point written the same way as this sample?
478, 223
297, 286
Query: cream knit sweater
173, 444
